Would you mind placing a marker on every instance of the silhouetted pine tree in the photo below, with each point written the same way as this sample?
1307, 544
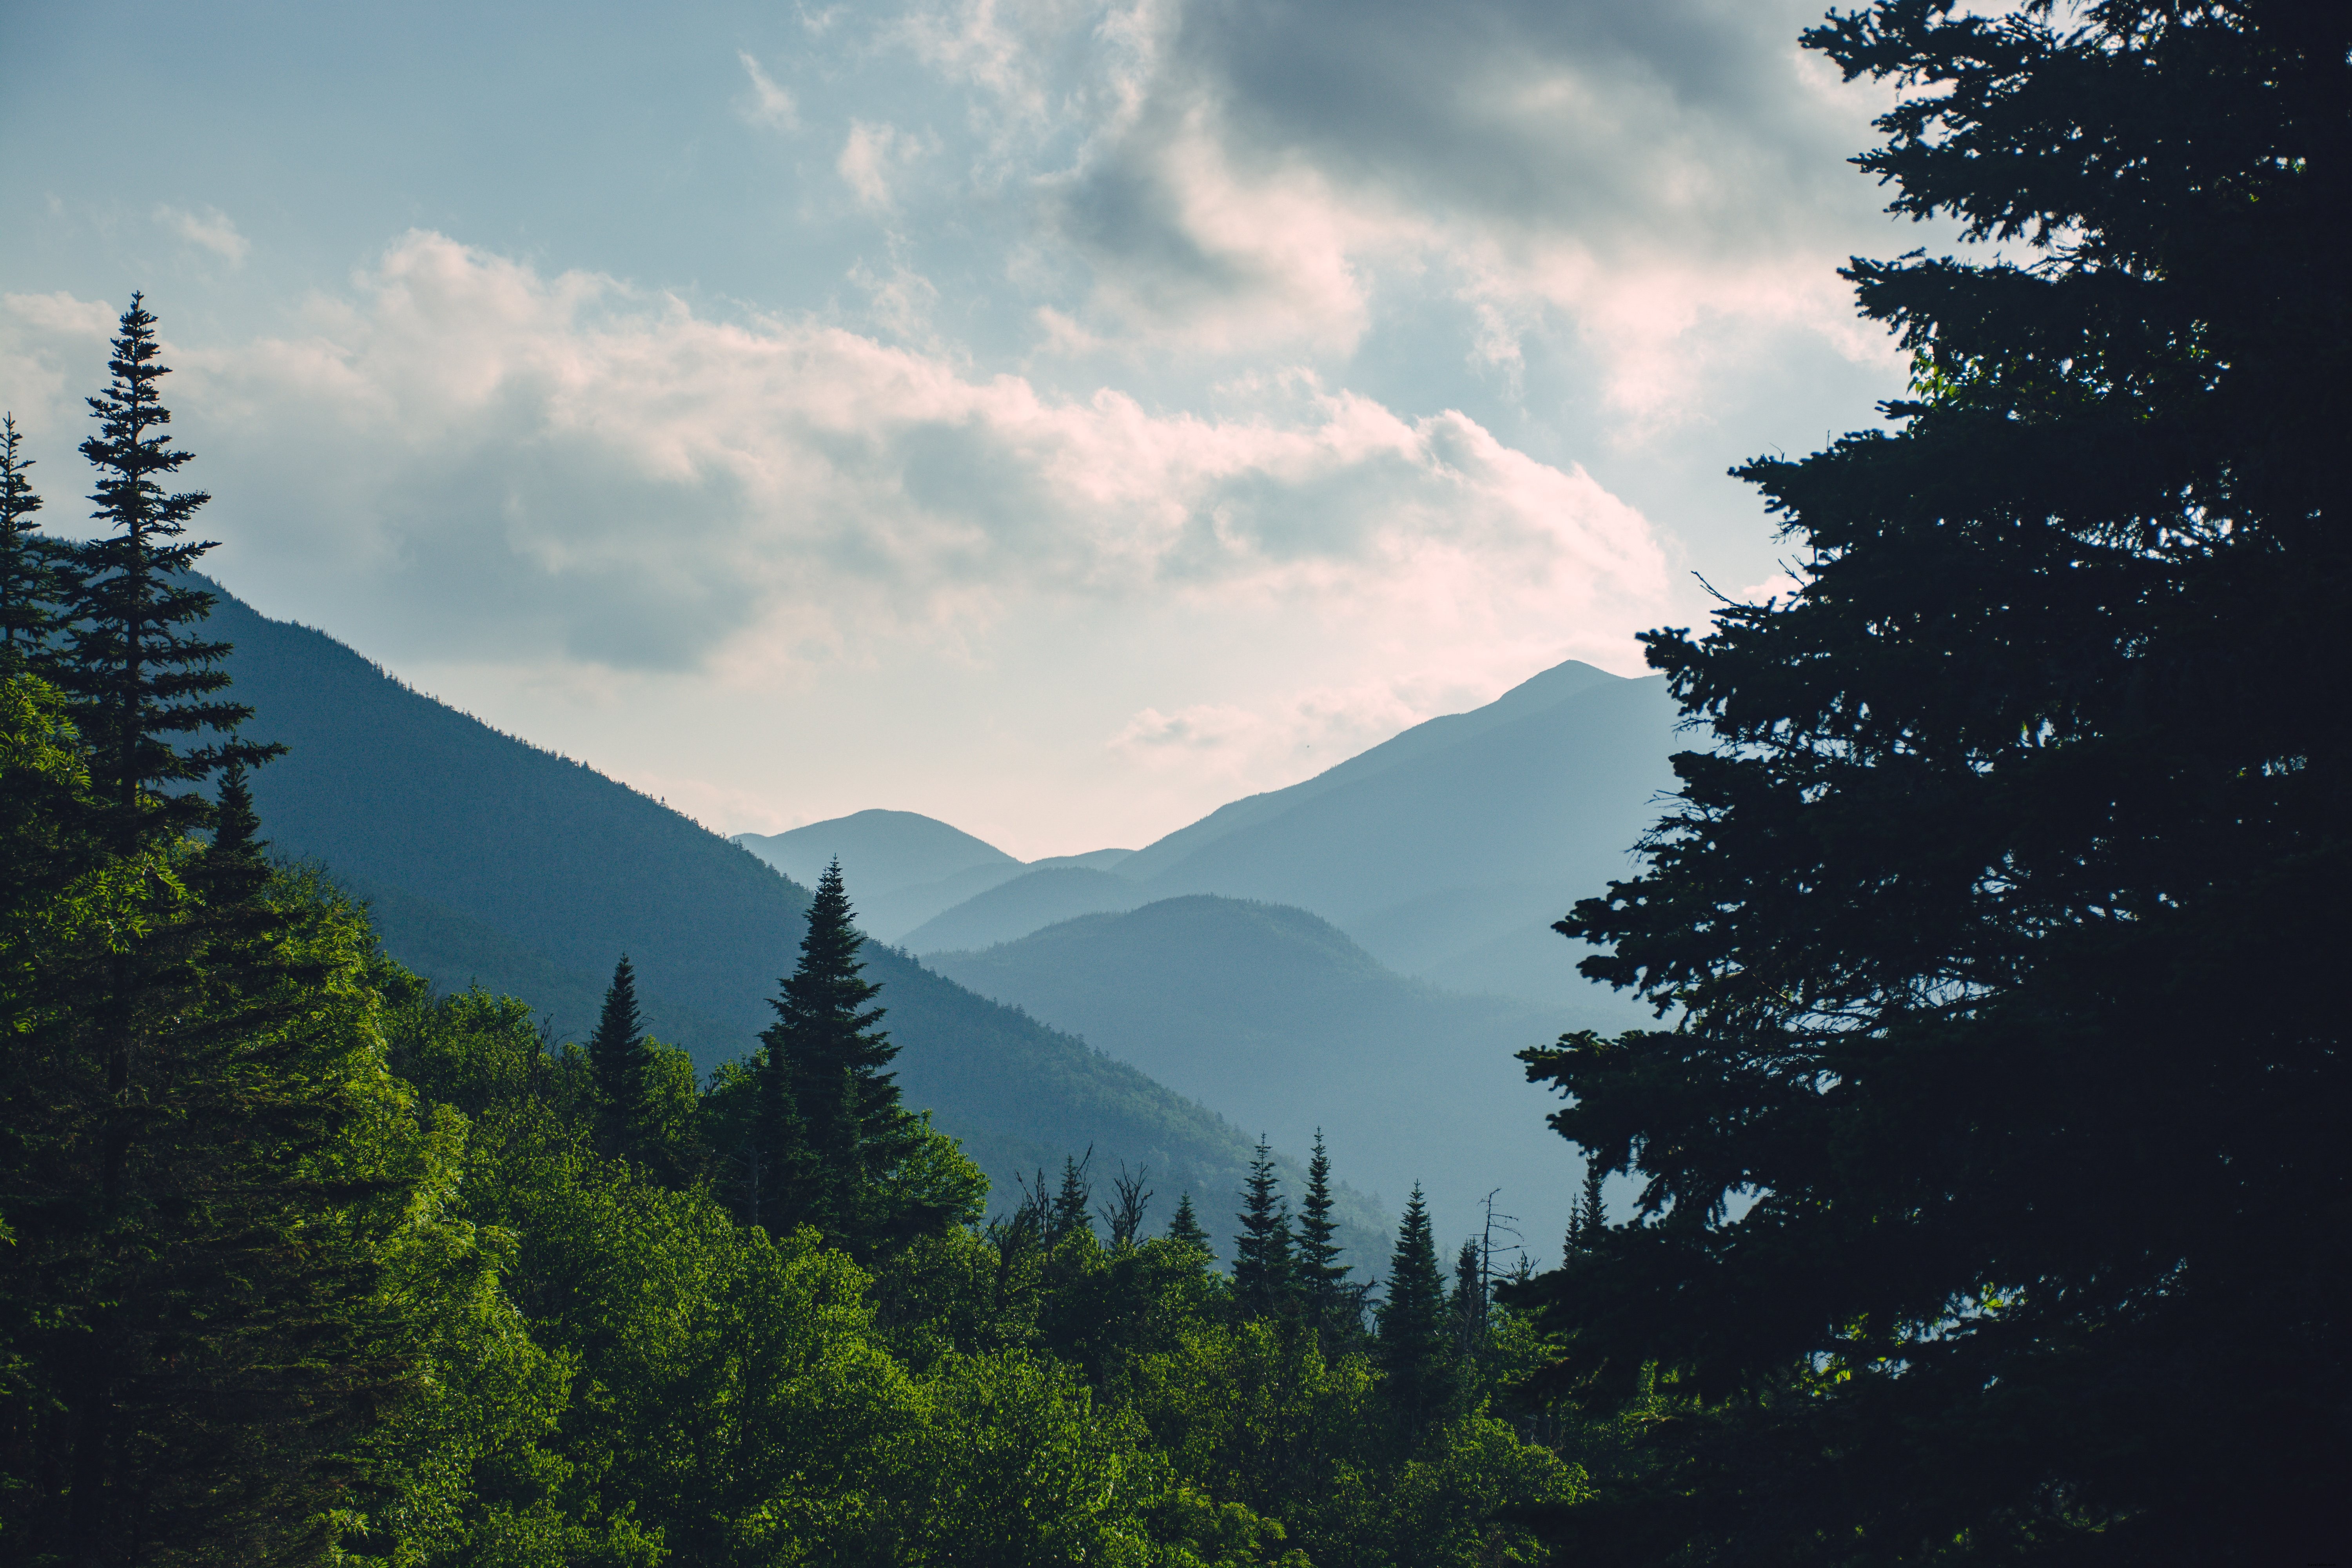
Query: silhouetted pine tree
833, 1062
144, 689
616, 1058
1334, 1303
1186, 1227
1587, 1222
31, 582
1069, 1213
1469, 1297
1263, 1281
1413, 1339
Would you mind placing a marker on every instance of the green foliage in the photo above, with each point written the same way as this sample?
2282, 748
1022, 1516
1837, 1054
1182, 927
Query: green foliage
1983, 1215
31, 577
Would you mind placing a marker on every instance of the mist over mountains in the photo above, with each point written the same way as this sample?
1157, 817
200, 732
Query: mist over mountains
487, 859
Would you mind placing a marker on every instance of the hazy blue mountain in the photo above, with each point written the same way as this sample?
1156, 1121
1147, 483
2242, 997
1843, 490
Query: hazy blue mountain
490, 858
1021, 905
1286, 1024
1447, 851
882, 850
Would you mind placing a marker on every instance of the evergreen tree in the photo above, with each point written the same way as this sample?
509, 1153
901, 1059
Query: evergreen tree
145, 690
31, 579
1996, 918
1469, 1299
1186, 1227
1334, 1302
1264, 1280
618, 1058
1413, 1338
1069, 1213
1589, 1219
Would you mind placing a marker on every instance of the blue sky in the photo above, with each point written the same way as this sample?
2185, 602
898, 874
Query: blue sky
1057, 419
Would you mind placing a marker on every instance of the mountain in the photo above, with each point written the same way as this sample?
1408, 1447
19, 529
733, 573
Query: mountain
908, 868
486, 857
1446, 852
1286, 1025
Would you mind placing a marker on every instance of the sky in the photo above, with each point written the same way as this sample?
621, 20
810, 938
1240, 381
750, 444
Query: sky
1057, 419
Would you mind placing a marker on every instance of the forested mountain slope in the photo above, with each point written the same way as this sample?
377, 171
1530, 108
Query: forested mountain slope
1446, 852
489, 857
1286, 1025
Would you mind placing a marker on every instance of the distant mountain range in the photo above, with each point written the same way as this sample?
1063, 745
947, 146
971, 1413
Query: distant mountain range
1285, 1024
485, 859
1446, 852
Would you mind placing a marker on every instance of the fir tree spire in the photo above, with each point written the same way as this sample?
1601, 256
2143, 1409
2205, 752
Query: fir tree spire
1413, 1320
145, 690
1070, 1214
1263, 1278
1335, 1305
1186, 1227
616, 1059
30, 580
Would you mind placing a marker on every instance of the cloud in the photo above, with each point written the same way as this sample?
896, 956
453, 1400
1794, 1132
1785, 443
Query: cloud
1659, 186
515, 462
213, 231
871, 158
772, 106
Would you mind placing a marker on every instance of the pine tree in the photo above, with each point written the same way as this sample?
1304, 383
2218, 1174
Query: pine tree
145, 691
1334, 1303
1589, 1219
1070, 1211
1413, 1338
1469, 1301
1264, 1280
2006, 811
31, 579
1186, 1227
828, 1062
617, 1060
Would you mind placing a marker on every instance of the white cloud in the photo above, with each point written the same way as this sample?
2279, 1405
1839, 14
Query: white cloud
519, 461
212, 230
871, 158
772, 106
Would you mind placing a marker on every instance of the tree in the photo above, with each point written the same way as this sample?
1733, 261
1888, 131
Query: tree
1186, 1225
618, 1059
1334, 1303
1469, 1301
146, 691
1590, 1217
1412, 1348
1263, 1281
1991, 929
1123, 1217
30, 580
1070, 1211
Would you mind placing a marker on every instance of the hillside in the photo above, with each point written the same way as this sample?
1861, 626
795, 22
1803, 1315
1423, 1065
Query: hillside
490, 858
1446, 852
1286, 1024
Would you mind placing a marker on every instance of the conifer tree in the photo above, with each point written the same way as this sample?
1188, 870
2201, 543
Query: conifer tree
617, 1060
145, 688
1263, 1280
1412, 1347
1469, 1297
31, 582
1070, 1211
1334, 1303
1588, 1218
1994, 916
834, 1117
1186, 1227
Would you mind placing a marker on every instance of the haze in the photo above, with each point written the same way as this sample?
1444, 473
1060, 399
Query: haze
1057, 419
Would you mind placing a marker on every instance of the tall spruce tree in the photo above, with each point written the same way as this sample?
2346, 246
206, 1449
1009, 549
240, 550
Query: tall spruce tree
1186, 1225
618, 1059
31, 580
1334, 1303
1412, 1347
146, 691
1263, 1280
832, 1111
1996, 923
1071, 1211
